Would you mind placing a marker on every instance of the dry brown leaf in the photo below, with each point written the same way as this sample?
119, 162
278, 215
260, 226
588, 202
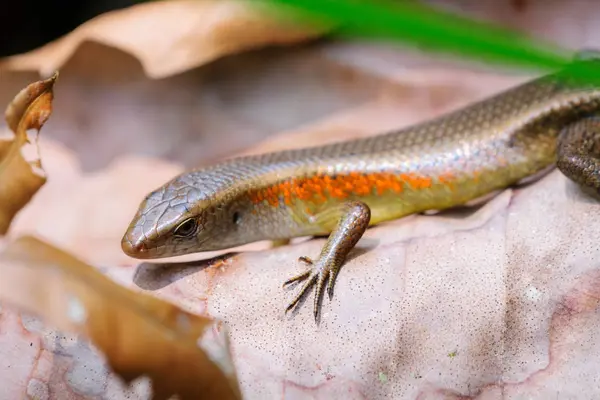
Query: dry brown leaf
169, 37
19, 182
183, 354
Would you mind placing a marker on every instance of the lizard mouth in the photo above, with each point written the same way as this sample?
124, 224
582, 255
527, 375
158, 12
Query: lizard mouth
137, 248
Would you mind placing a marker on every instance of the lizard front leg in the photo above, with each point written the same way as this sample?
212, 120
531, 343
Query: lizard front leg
579, 153
348, 221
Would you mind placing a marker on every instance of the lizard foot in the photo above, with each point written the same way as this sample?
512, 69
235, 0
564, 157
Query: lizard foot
321, 274
348, 222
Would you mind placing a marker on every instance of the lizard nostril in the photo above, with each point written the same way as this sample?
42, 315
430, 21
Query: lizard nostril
133, 248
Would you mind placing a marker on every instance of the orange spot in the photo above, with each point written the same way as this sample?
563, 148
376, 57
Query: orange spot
448, 179
415, 181
319, 188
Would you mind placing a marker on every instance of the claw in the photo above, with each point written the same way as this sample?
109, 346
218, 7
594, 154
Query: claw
306, 260
319, 275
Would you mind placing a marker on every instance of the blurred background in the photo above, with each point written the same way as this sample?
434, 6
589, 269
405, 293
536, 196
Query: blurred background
28, 24
107, 106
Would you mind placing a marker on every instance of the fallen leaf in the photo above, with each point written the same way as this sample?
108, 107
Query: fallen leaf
183, 354
170, 37
21, 179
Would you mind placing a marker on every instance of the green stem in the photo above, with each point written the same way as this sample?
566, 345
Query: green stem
425, 26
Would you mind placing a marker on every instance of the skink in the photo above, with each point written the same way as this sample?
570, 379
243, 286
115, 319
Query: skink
343, 188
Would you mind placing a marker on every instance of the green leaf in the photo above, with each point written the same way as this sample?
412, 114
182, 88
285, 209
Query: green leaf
423, 26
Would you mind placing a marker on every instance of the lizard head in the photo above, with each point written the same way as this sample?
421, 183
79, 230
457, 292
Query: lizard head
177, 219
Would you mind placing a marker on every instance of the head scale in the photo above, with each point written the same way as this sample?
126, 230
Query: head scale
179, 219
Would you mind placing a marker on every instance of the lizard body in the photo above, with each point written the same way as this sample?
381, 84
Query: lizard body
340, 189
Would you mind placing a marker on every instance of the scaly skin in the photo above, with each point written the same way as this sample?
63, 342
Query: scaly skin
342, 188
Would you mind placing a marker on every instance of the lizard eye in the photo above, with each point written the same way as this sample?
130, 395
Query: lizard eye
186, 228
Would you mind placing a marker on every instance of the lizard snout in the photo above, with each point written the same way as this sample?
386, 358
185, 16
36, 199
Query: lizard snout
135, 248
